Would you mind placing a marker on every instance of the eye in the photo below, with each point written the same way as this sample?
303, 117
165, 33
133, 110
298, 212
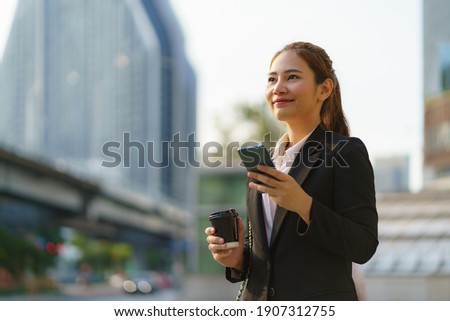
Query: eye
293, 77
271, 79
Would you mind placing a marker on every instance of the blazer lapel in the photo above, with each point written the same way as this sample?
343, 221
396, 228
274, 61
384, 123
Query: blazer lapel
305, 160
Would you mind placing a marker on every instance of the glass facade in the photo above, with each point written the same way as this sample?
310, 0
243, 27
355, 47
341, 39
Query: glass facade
77, 74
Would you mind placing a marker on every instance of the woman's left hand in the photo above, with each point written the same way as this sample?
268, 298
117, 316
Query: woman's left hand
283, 190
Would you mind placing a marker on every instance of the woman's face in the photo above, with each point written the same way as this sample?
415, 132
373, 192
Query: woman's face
291, 91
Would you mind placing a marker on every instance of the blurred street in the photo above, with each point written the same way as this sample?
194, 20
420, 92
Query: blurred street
194, 288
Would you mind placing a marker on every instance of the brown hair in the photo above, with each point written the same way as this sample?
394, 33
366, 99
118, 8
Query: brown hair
331, 114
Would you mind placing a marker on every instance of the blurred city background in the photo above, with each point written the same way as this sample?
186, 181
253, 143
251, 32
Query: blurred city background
105, 181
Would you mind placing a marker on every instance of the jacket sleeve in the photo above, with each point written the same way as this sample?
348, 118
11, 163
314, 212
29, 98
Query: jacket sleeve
234, 275
350, 228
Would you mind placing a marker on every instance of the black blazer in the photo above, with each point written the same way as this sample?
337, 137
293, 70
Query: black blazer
315, 262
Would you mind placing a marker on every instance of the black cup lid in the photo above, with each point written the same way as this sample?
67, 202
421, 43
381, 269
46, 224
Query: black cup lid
221, 214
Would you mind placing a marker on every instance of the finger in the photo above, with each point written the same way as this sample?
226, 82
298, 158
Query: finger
267, 180
210, 230
261, 178
214, 240
261, 188
271, 171
222, 254
216, 248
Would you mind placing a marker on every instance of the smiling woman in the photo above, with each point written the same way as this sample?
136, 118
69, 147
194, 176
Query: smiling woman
314, 214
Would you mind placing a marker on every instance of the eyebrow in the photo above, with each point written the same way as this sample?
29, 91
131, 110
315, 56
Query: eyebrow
285, 72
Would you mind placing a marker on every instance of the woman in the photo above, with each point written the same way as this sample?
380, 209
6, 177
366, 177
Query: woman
318, 214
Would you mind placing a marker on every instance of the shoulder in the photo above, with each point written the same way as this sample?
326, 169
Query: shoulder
346, 152
333, 144
344, 144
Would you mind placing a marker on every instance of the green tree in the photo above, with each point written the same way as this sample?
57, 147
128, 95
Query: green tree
250, 123
14, 253
102, 255
19, 254
264, 126
24, 260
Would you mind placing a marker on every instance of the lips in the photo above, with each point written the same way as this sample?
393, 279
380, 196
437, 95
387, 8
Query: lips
281, 102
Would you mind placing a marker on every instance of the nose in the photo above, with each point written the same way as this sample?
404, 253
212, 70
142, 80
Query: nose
279, 87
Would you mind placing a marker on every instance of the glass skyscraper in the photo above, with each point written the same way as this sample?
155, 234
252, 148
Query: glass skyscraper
78, 74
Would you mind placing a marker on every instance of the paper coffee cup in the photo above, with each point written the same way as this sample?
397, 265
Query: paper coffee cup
225, 224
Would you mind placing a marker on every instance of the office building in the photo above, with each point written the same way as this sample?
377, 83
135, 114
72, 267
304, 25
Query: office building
77, 75
436, 44
391, 174
412, 261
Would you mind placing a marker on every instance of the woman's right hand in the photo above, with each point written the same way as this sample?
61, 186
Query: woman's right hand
233, 258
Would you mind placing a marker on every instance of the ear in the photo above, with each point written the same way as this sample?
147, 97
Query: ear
325, 89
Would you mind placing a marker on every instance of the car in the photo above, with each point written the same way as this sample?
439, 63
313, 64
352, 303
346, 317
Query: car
144, 282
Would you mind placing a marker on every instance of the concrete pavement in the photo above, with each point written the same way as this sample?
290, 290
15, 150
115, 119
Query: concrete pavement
208, 288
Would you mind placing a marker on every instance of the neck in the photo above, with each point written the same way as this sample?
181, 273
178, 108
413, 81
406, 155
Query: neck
297, 133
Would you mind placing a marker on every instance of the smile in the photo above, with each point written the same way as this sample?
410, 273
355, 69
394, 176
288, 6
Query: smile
281, 102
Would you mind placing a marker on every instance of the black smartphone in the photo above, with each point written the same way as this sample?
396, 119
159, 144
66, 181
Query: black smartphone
253, 156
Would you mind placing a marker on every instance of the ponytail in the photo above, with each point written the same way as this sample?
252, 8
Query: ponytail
331, 114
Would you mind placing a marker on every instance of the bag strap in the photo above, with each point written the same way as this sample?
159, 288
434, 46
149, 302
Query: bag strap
244, 283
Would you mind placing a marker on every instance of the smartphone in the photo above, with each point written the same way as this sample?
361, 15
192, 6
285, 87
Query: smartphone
253, 156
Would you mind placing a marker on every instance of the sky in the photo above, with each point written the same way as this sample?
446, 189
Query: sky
376, 48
